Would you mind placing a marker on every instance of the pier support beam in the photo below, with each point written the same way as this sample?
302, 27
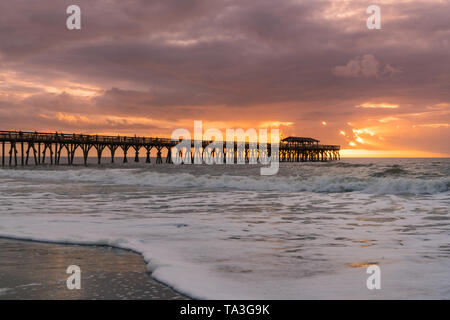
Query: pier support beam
169, 156
3, 153
136, 155
31, 146
125, 151
12, 151
22, 154
148, 150
158, 155
85, 148
100, 149
112, 149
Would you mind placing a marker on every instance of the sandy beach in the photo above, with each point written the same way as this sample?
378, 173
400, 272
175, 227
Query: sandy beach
33, 270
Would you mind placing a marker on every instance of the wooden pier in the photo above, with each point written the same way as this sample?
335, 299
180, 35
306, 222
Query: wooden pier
23, 148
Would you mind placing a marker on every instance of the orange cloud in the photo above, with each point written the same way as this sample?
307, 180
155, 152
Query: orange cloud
435, 125
378, 105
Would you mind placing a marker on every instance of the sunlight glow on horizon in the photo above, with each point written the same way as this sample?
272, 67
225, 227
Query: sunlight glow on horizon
361, 153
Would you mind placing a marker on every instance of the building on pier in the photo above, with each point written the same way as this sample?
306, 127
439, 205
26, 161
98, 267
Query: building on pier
301, 149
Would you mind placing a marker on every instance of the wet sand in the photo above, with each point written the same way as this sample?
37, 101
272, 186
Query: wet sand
32, 270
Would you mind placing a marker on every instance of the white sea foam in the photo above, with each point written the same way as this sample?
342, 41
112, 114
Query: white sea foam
3, 291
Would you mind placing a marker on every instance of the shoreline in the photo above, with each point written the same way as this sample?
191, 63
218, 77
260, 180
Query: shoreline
36, 270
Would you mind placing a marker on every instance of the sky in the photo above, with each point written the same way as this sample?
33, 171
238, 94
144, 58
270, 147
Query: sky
310, 68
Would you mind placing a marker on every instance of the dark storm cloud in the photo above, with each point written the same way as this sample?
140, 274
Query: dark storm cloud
236, 52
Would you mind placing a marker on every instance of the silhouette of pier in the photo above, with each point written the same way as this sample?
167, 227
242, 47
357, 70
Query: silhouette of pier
21, 148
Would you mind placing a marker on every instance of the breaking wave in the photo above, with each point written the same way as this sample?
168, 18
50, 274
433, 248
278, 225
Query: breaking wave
391, 171
348, 165
378, 184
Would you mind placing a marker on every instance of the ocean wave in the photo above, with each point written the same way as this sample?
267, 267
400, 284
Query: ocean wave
349, 165
394, 170
319, 184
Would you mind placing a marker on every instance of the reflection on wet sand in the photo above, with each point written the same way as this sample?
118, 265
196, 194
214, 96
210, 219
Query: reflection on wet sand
31, 270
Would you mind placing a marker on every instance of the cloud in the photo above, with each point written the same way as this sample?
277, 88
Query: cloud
366, 66
388, 119
369, 105
436, 125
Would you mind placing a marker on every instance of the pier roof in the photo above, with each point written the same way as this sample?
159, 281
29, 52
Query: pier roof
300, 140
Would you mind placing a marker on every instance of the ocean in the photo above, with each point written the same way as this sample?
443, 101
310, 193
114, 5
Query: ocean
225, 232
